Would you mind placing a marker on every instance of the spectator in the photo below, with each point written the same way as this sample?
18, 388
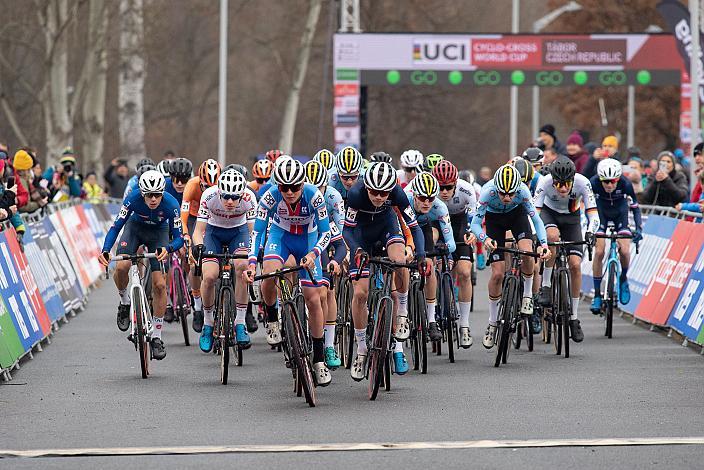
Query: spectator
575, 152
64, 181
38, 197
4, 153
637, 176
698, 169
8, 204
94, 193
694, 206
667, 187
484, 175
549, 156
117, 177
608, 149
547, 139
7, 171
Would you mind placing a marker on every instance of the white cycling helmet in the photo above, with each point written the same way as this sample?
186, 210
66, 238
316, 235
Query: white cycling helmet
326, 157
412, 159
232, 182
164, 167
507, 179
151, 182
609, 169
380, 176
289, 171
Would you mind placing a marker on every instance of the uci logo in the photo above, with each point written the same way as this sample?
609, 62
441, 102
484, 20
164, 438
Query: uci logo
440, 51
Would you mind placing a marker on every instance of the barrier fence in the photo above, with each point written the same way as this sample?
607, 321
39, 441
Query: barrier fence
667, 276
49, 278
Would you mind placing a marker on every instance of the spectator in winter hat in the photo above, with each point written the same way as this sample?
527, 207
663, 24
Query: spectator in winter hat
548, 139
667, 187
608, 149
575, 152
38, 197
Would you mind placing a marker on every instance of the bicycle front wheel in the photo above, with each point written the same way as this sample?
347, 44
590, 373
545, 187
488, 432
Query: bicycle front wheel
142, 340
610, 300
381, 340
299, 353
508, 301
182, 305
224, 333
448, 299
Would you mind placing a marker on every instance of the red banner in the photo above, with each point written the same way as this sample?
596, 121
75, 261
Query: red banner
506, 52
73, 248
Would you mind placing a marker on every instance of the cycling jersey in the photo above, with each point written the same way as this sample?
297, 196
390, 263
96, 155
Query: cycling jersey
136, 211
171, 190
213, 211
463, 201
191, 199
489, 201
534, 182
546, 195
402, 178
335, 181
614, 206
438, 213
336, 207
132, 184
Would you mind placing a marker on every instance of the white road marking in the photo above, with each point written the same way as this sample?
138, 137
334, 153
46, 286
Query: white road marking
347, 447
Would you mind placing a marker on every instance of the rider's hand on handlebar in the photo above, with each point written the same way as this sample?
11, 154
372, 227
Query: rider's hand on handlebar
359, 254
162, 254
545, 252
637, 236
248, 275
104, 259
469, 238
308, 261
333, 268
425, 266
490, 244
589, 238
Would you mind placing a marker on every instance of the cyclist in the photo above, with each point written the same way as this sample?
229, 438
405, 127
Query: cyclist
411, 164
348, 169
432, 160
148, 217
326, 157
164, 167
273, 155
422, 195
241, 169
261, 170
208, 174
558, 199
143, 165
614, 196
225, 219
370, 219
272, 180
505, 204
380, 157
299, 227
461, 200
317, 175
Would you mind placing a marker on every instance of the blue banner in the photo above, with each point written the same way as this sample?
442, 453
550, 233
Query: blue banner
46, 278
95, 224
688, 315
18, 303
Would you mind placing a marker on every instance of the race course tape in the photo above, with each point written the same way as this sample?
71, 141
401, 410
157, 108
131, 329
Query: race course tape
342, 447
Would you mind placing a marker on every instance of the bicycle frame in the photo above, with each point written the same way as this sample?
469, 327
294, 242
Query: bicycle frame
137, 291
174, 268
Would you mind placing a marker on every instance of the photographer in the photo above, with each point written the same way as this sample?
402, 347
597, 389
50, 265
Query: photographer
64, 181
667, 187
23, 162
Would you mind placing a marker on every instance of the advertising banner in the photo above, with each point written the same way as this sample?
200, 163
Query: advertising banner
96, 225
74, 251
10, 345
46, 278
80, 226
653, 307
688, 314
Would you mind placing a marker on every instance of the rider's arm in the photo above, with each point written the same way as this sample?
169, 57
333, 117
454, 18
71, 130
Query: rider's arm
349, 230
120, 220
590, 208
175, 229
337, 211
322, 220
400, 200
524, 195
540, 190
479, 214
188, 194
446, 227
265, 209
405, 230
201, 221
338, 244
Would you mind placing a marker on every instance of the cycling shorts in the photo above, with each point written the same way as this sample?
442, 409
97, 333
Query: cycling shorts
217, 238
384, 230
569, 225
619, 219
463, 252
135, 234
282, 244
498, 223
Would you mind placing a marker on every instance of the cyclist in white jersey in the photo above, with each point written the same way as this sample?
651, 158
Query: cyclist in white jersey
225, 219
411, 164
558, 198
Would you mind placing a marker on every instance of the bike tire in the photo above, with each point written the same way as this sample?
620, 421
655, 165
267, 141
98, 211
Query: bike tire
503, 326
529, 337
610, 301
182, 306
348, 323
415, 326
142, 341
387, 373
556, 315
449, 313
223, 333
566, 308
381, 340
518, 337
299, 352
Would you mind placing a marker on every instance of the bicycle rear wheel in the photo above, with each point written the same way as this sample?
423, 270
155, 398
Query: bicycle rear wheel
299, 353
381, 340
508, 295
528, 334
557, 317
142, 342
566, 308
610, 300
182, 305
223, 332
419, 338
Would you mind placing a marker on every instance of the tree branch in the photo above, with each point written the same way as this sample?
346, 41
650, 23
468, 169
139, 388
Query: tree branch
13, 120
28, 88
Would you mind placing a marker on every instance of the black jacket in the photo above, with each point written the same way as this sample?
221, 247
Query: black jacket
668, 192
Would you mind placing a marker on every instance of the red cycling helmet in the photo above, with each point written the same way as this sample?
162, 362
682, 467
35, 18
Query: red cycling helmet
272, 155
445, 172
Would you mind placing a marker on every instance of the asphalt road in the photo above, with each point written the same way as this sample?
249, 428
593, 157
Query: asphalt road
85, 390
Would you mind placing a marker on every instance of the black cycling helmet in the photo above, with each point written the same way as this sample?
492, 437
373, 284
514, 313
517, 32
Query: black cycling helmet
562, 170
241, 169
380, 157
144, 168
181, 167
145, 161
532, 154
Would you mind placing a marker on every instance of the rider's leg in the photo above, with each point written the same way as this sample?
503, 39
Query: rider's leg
431, 285
122, 279
553, 236
575, 265
359, 313
158, 302
498, 268
463, 271
241, 295
211, 270
624, 255
597, 265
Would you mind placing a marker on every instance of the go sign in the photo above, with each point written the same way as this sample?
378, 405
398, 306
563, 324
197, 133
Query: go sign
490, 77
612, 78
424, 77
549, 78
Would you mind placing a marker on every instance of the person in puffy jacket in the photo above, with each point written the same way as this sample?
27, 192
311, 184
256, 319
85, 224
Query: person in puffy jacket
667, 187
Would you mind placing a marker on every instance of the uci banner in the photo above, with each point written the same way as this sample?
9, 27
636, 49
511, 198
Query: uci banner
688, 315
47, 279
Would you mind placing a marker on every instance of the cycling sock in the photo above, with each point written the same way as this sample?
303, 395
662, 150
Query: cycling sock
430, 310
575, 307
403, 303
527, 286
208, 316
597, 286
241, 314
124, 298
464, 314
318, 350
398, 347
623, 277
329, 330
493, 310
361, 336
547, 276
197, 302
157, 323
272, 313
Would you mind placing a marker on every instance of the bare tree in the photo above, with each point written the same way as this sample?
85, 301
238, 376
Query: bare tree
131, 84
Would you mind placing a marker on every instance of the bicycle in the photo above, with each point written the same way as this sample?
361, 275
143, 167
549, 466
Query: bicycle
178, 293
510, 305
141, 327
419, 323
224, 325
446, 310
612, 272
344, 329
296, 345
561, 310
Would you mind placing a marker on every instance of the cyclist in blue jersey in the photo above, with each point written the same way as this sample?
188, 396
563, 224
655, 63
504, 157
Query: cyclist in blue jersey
148, 217
318, 177
430, 210
370, 219
614, 197
505, 204
300, 227
348, 169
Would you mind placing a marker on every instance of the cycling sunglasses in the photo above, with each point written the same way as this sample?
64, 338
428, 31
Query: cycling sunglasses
426, 198
409, 169
447, 187
565, 184
180, 179
153, 195
506, 194
376, 193
228, 197
261, 180
349, 177
613, 181
290, 188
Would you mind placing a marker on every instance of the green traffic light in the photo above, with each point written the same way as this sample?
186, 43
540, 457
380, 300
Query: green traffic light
455, 77
518, 77
580, 78
393, 77
643, 77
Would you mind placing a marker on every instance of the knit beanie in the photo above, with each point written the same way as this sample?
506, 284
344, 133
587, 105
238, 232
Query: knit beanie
575, 138
610, 140
549, 129
22, 160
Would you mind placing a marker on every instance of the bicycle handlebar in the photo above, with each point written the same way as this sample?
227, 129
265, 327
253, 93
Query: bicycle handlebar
131, 258
224, 256
518, 252
568, 243
280, 273
612, 236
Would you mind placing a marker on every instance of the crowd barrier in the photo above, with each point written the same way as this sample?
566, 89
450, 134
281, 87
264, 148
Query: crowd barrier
48, 279
666, 277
